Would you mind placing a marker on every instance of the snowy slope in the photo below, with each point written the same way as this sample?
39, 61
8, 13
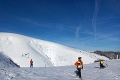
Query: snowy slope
44, 53
90, 72
5, 61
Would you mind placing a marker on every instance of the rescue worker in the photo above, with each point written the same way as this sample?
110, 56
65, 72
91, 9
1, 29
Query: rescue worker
102, 64
79, 66
31, 63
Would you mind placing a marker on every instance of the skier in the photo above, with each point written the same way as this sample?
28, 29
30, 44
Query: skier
102, 64
31, 63
79, 65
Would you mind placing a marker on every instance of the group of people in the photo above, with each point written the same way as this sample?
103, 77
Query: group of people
79, 66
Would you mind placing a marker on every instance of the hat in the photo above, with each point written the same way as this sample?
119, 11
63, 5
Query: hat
79, 57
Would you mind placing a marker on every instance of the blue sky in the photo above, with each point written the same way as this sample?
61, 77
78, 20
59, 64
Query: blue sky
82, 24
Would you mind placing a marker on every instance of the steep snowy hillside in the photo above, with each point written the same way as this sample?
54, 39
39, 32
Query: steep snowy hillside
44, 53
6, 61
90, 72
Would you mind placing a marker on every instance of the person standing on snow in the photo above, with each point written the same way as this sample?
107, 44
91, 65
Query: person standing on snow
79, 65
31, 63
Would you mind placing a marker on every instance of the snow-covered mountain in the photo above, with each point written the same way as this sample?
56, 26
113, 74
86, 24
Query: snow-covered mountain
44, 53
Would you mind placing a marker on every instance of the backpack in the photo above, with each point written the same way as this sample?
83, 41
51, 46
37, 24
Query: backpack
101, 62
79, 65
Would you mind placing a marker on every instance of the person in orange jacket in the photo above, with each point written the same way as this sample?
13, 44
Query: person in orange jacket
31, 63
79, 66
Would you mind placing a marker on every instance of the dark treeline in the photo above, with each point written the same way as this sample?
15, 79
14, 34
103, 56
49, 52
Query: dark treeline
109, 54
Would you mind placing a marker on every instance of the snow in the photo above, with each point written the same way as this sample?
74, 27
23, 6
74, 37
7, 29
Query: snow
89, 72
5, 61
51, 61
43, 53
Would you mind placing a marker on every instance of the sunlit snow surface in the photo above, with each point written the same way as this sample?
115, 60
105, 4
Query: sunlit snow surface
90, 72
48, 57
44, 53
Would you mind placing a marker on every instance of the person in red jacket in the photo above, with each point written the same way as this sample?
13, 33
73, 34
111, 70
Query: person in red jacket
31, 63
79, 66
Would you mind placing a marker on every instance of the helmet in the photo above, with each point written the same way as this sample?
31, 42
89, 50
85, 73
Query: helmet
79, 57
